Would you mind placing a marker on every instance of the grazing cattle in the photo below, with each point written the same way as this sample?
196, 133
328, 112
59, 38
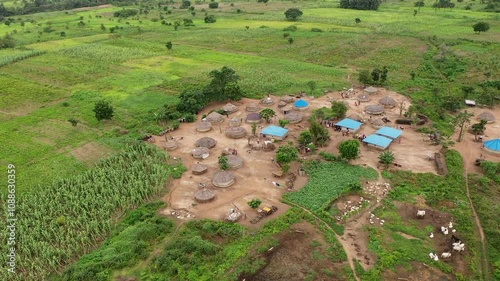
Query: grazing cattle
420, 214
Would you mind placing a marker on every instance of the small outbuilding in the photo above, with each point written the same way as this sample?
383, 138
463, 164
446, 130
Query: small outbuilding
377, 141
199, 169
223, 179
487, 116
253, 107
294, 117
389, 132
235, 122
387, 102
287, 99
253, 117
377, 123
470, 103
200, 152
267, 101
171, 145
370, 90
374, 109
287, 109
300, 105
204, 195
234, 161
215, 118
350, 124
205, 142
230, 108
363, 97
275, 132
204, 126
236, 132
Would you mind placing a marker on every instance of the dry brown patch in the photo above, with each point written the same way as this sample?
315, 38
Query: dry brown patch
90, 153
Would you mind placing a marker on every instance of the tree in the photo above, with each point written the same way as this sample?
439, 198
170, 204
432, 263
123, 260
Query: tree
262, 1
290, 40
386, 158
286, 154
375, 75
210, 19
357, 20
283, 122
224, 85
481, 27
254, 203
383, 75
267, 114
320, 134
213, 5
103, 28
419, 4
365, 77
339, 109
479, 128
169, 45
312, 86
293, 14
192, 100
360, 4
185, 4
103, 110
223, 163
460, 121
349, 149
73, 121
305, 138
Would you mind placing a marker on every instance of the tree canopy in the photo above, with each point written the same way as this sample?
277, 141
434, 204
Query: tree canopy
360, 4
103, 110
286, 154
293, 14
192, 100
224, 85
349, 149
481, 27
386, 158
339, 109
320, 134
267, 114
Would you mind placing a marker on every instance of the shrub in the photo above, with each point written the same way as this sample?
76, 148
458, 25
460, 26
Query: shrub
314, 29
125, 13
213, 5
290, 28
210, 19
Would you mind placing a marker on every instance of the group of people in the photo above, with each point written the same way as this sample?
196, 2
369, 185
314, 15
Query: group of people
327, 123
360, 137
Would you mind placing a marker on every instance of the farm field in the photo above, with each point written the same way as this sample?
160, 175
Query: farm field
64, 62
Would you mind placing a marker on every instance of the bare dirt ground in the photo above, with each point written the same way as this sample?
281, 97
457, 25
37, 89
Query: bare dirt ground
418, 272
301, 253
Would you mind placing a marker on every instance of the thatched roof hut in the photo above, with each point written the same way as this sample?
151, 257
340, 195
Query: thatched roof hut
370, 90
253, 107
215, 118
487, 116
253, 117
230, 108
234, 161
374, 109
236, 132
287, 99
377, 123
294, 117
171, 145
363, 97
286, 109
204, 126
205, 142
204, 195
281, 104
267, 101
355, 116
200, 152
387, 102
234, 122
199, 169
223, 179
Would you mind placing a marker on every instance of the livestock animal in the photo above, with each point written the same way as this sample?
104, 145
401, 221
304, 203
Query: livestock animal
445, 255
420, 214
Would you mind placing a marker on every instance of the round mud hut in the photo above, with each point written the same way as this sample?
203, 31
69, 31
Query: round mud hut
205, 142
355, 116
281, 104
223, 179
374, 109
234, 161
294, 117
387, 102
363, 98
253, 117
230, 108
287, 99
253, 107
199, 169
300, 105
204, 195
236, 132
377, 123
171, 145
204, 126
235, 122
267, 101
215, 118
370, 90
200, 152
487, 116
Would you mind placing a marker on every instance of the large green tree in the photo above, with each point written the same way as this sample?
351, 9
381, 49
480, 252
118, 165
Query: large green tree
305, 138
481, 27
286, 154
339, 109
192, 100
320, 134
103, 110
224, 85
462, 119
479, 128
360, 4
293, 14
267, 114
349, 149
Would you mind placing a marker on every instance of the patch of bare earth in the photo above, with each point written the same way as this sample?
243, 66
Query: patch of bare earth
417, 272
301, 254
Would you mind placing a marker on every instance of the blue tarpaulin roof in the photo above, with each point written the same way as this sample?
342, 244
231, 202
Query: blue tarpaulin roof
493, 144
301, 103
349, 124
377, 140
275, 131
389, 132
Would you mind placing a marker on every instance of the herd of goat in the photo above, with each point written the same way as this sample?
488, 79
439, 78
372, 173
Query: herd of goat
456, 243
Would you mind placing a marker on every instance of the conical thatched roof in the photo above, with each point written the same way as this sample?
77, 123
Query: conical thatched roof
230, 108
253, 117
294, 117
234, 161
204, 126
363, 98
287, 108
374, 109
205, 142
223, 179
487, 116
204, 195
234, 122
287, 99
236, 132
377, 123
281, 104
215, 118
200, 152
198, 169
171, 145
267, 101
355, 116
371, 90
387, 101
253, 107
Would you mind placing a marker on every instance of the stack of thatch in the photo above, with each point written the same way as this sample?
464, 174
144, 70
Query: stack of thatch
236, 132
230, 108
200, 152
204, 126
487, 116
172, 145
215, 118
234, 122
205, 142
387, 102
204, 195
199, 169
234, 161
374, 109
294, 117
253, 107
253, 117
267, 101
223, 179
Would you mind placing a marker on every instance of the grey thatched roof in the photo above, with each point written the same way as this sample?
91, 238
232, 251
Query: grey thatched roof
387, 101
294, 117
171, 145
355, 116
374, 109
205, 142
234, 161
487, 116
223, 179
281, 104
286, 108
377, 123
236, 132
363, 98
204, 126
235, 121
254, 116
230, 108
200, 152
215, 118
204, 195
199, 169
267, 101
371, 90
253, 107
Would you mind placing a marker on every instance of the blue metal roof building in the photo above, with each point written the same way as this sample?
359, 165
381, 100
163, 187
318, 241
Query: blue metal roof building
275, 131
378, 141
493, 145
349, 124
389, 132
301, 103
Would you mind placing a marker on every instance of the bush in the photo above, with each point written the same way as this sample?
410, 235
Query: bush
290, 28
210, 19
314, 29
360, 4
213, 5
125, 13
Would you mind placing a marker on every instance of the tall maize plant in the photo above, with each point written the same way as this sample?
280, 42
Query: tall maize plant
58, 223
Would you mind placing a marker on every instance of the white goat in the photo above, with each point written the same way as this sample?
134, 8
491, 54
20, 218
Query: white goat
450, 225
445, 255
444, 230
420, 213
459, 246
432, 235
453, 230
